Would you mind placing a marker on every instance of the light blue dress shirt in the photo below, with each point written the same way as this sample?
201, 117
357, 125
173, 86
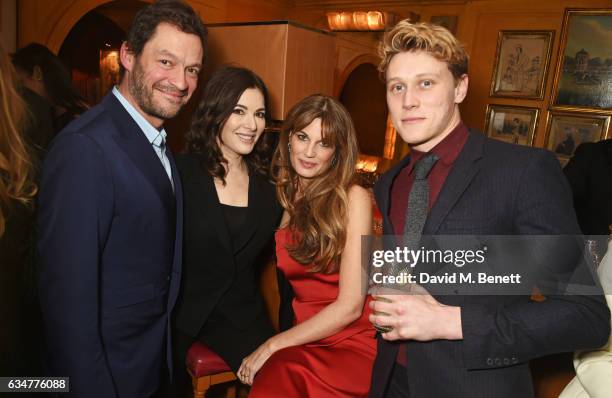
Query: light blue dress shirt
156, 137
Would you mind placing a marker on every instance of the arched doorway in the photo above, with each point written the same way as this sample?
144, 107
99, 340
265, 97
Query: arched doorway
90, 49
363, 95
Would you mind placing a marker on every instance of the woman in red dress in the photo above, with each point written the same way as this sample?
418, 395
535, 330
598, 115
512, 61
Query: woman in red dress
330, 350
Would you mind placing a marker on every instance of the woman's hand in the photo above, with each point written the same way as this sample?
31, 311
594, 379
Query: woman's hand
251, 364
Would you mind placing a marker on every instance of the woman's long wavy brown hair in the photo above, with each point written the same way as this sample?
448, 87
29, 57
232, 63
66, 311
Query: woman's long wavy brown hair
15, 164
317, 209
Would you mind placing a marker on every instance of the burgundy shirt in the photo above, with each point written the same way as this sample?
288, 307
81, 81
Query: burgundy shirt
447, 151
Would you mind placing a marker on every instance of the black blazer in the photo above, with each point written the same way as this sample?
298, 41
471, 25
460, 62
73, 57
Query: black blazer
495, 188
213, 265
590, 175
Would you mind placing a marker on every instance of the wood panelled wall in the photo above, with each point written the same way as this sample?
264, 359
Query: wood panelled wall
50, 21
478, 27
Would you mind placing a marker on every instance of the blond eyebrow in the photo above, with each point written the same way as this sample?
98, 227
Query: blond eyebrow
419, 76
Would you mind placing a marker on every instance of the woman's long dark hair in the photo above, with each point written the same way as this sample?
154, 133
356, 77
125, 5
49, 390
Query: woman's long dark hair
55, 76
221, 94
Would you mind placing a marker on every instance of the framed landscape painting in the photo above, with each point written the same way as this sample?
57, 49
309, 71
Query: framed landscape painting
566, 130
521, 62
515, 124
583, 79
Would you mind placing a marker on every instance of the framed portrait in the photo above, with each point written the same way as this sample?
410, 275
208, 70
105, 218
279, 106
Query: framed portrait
583, 79
515, 124
447, 21
521, 63
566, 130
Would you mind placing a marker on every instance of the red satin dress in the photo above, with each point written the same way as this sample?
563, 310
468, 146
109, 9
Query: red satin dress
336, 366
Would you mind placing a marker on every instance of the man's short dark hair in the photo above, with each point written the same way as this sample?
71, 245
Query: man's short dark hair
174, 12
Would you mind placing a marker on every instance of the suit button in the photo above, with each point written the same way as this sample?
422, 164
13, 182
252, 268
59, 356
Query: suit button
514, 360
506, 361
489, 361
497, 361
168, 278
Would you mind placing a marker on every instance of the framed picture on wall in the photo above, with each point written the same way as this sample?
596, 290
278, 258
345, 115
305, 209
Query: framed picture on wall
583, 79
566, 130
515, 124
521, 63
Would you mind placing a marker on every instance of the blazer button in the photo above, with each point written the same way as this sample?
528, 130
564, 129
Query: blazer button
489, 361
497, 361
506, 361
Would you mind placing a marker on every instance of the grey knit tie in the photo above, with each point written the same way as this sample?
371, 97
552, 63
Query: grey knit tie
418, 202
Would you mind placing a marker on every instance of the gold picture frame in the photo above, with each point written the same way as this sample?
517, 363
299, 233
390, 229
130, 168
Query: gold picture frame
566, 130
511, 123
582, 76
521, 63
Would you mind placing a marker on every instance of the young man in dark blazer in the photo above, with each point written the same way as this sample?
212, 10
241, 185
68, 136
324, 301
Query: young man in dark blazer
110, 217
454, 345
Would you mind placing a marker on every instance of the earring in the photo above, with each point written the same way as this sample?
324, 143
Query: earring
289, 147
334, 161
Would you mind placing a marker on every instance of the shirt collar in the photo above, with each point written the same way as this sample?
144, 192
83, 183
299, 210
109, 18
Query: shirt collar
448, 149
156, 137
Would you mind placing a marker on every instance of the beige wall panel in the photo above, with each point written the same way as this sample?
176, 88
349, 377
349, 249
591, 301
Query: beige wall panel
310, 65
292, 61
258, 47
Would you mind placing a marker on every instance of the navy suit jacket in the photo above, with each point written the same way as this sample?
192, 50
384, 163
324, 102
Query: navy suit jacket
110, 245
495, 188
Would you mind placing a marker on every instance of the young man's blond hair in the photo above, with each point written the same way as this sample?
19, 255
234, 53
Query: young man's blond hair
433, 39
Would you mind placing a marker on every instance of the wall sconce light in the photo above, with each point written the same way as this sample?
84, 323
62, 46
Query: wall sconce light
360, 20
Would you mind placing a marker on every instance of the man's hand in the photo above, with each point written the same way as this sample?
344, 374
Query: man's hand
415, 316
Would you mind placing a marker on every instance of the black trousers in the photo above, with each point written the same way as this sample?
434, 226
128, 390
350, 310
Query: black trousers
398, 383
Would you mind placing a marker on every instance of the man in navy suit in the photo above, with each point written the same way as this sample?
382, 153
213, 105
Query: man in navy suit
110, 217
456, 181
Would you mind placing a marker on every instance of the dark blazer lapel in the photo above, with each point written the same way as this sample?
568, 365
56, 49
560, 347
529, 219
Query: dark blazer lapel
135, 144
178, 189
214, 213
382, 191
463, 171
255, 212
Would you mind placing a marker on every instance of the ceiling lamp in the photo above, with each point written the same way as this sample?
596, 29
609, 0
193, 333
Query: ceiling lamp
360, 20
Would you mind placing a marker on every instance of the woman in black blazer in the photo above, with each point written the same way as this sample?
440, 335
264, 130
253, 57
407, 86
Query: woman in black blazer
230, 215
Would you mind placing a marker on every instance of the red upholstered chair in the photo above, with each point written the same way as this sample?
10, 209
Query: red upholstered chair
207, 369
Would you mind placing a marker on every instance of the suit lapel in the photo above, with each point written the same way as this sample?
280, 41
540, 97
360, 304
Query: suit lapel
383, 193
255, 211
214, 212
178, 241
463, 171
135, 144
